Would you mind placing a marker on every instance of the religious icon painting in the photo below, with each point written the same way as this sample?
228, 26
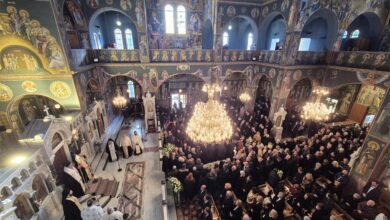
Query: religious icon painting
5, 93
265, 11
125, 5
29, 86
93, 3
272, 73
285, 5
297, 75
255, 13
368, 157
60, 89
231, 11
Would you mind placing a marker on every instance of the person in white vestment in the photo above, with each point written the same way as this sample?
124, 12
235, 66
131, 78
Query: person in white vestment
111, 148
125, 143
138, 145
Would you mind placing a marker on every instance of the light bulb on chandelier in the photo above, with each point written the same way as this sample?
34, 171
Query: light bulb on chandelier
245, 97
209, 122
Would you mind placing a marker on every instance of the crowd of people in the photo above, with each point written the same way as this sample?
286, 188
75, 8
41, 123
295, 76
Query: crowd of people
307, 174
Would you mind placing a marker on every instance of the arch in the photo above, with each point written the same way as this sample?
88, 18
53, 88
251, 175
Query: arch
299, 92
94, 28
207, 35
241, 26
56, 140
92, 91
273, 26
187, 88
234, 83
369, 26
120, 81
19, 120
40, 187
264, 88
320, 31
178, 74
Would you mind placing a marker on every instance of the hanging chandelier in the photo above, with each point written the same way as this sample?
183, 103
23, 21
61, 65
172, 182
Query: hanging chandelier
119, 101
245, 97
316, 111
209, 122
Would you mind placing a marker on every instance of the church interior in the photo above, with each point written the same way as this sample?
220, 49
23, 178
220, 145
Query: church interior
194, 109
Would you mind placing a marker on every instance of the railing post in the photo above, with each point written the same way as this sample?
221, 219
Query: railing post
165, 209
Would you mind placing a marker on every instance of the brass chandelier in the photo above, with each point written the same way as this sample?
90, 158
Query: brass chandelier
119, 101
209, 122
316, 111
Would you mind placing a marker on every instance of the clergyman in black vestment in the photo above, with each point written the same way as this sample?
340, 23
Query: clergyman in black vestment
73, 180
71, 205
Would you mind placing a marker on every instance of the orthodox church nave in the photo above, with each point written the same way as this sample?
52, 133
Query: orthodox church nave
194, 109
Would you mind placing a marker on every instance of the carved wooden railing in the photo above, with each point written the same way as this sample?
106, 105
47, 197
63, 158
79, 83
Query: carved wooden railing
113, 56
181, 55
360, 59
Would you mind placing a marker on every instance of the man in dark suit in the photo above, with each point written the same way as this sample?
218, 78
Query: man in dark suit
372, 191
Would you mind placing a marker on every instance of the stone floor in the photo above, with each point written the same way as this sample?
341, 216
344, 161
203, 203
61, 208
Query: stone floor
152, 198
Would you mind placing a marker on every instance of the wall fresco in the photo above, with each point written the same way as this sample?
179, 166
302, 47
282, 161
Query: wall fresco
18, 23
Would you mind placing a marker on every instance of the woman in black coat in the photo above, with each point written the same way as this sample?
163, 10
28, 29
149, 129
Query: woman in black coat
71, 205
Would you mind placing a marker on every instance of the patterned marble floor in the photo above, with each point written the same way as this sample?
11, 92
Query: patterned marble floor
151, 196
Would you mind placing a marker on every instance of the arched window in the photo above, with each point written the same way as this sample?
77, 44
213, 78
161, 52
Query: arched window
131, 90
169, 20
250, 41
355, 34
345, 34
181, 20
118, 39
225, 39
129, 39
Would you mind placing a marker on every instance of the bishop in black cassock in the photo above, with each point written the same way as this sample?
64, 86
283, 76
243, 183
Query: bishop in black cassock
73, 180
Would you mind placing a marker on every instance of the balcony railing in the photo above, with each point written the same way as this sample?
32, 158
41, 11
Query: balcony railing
310, 58
357, 59
270, 56
238, 55
181, 55
113, 56
360, 59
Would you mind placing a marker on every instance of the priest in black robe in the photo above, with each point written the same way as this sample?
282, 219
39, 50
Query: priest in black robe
71, 205
73, 180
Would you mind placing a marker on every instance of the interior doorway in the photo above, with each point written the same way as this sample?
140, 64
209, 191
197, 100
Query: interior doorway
60, 159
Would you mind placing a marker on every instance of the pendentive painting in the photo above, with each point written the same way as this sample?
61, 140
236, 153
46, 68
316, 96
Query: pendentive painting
19, 60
